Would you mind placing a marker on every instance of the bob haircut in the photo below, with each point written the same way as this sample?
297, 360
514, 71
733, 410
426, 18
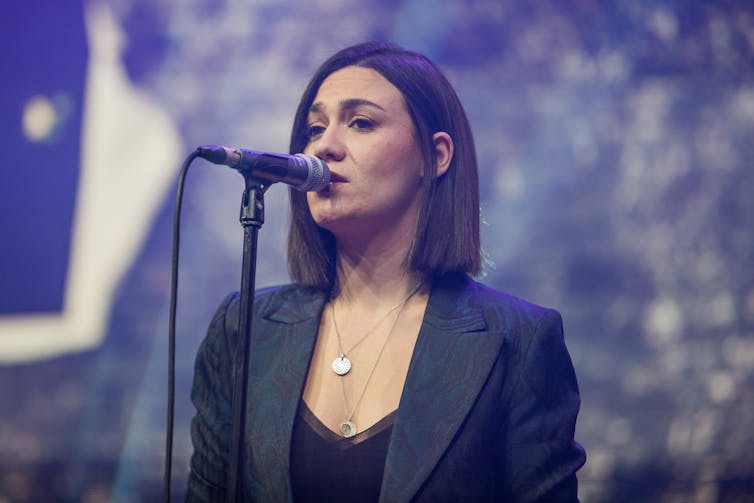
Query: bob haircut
446, 238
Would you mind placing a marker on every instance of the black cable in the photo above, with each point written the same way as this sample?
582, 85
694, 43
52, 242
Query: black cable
171, 327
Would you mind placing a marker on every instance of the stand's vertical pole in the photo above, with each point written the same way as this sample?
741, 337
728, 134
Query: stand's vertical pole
252, 218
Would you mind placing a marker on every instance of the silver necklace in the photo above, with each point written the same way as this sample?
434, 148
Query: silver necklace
348, 427
341, 365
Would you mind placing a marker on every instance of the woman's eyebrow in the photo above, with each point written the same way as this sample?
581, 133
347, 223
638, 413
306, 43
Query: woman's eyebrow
352, 103
346, 104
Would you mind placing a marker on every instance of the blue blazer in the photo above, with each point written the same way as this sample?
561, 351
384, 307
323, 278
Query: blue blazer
488, 409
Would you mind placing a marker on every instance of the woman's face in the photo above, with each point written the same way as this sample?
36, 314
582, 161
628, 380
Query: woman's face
358, 124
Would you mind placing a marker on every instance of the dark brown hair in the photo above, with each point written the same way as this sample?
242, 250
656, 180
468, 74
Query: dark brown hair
447, 232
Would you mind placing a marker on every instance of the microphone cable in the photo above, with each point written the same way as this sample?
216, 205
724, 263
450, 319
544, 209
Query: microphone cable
171, 328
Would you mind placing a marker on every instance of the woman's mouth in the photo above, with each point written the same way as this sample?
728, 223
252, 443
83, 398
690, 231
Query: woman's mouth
337, 178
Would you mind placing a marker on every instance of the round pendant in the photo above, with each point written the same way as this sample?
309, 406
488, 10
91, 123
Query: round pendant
347, 429
341, 365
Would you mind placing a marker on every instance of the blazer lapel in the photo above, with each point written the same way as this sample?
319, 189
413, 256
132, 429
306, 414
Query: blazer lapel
451, 361
285, 331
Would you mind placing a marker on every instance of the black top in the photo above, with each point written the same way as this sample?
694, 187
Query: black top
326, 467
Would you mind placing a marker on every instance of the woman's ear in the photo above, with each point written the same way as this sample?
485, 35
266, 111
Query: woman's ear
443, 152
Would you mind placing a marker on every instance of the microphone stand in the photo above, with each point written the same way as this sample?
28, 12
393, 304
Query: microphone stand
251, 218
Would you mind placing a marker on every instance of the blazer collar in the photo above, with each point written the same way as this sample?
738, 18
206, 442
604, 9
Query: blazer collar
451, 361
285, 330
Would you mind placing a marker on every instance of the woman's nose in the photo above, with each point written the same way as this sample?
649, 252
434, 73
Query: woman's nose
329, 146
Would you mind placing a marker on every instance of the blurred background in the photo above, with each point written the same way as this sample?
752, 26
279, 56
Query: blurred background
616, 143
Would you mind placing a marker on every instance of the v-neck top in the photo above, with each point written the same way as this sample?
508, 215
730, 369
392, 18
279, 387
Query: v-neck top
326, 467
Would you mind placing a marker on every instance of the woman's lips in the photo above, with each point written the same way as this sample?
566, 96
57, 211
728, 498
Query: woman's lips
337, 178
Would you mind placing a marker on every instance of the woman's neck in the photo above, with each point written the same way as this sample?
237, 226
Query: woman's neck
374, 272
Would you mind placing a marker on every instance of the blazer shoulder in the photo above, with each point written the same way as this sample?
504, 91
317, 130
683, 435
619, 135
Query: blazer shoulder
267, 301
273, 295
502, 308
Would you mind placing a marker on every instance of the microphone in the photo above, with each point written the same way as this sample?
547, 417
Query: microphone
303, 172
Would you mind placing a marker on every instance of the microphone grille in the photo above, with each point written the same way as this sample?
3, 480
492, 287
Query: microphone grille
319, 174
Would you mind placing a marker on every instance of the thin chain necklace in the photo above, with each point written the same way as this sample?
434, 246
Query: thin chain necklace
348, 427
341, 365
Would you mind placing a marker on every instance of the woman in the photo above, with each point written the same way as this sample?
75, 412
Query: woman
384, 372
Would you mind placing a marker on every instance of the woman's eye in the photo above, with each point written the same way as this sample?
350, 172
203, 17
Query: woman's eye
362, 123
314, 130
